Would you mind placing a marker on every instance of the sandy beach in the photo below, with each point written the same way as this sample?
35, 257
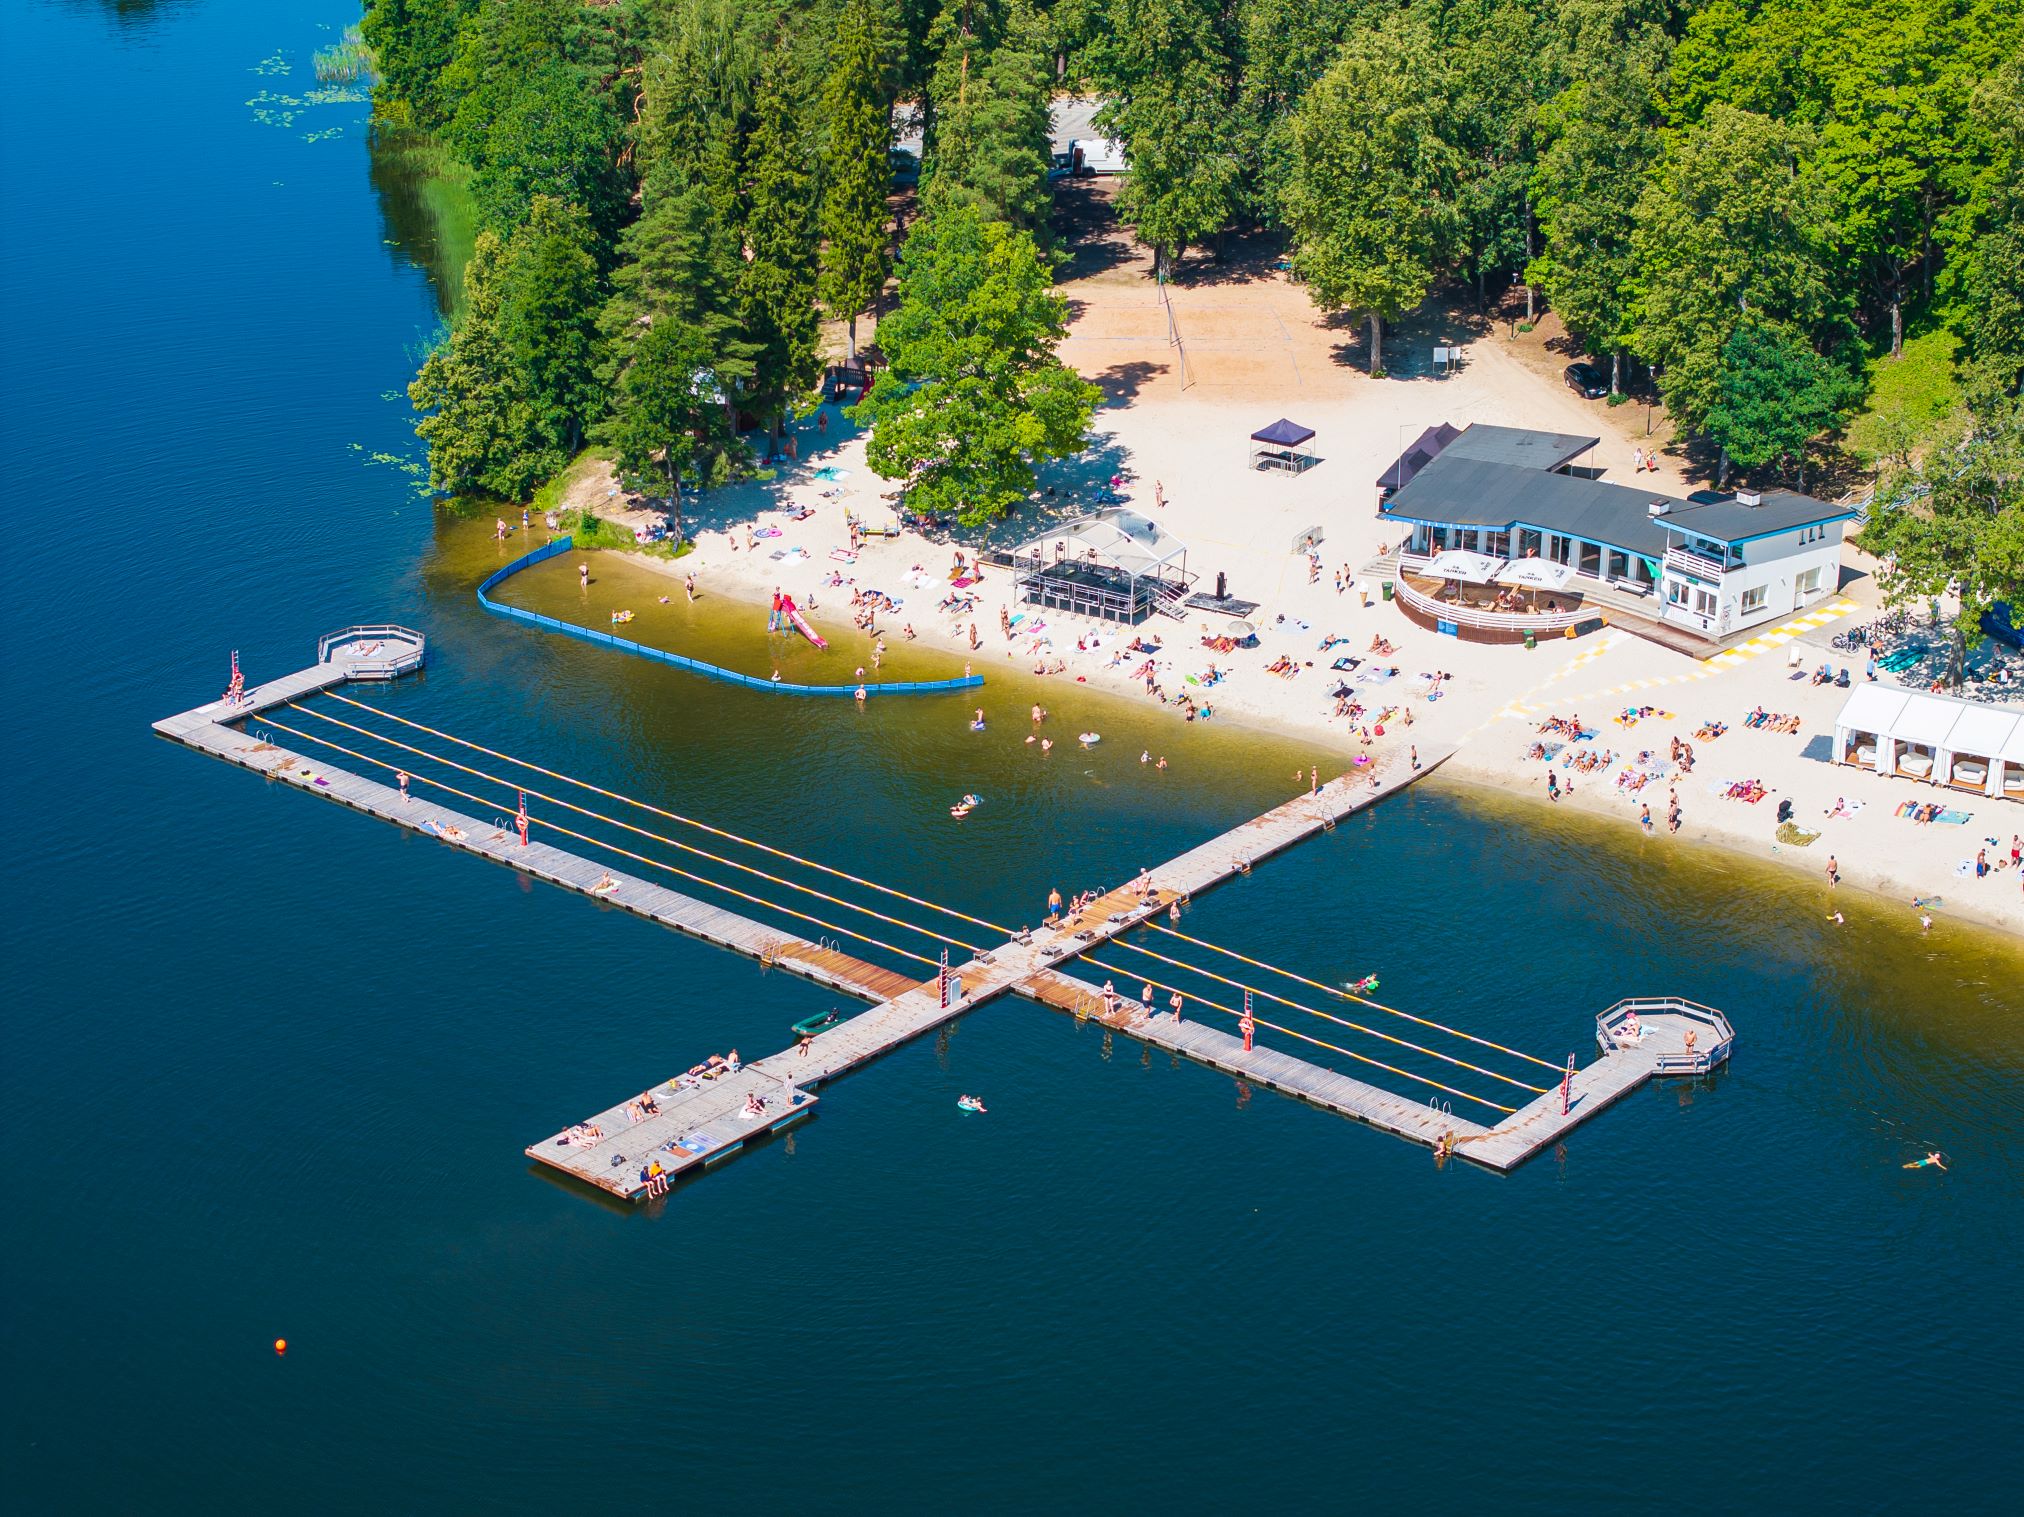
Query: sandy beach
1175, 429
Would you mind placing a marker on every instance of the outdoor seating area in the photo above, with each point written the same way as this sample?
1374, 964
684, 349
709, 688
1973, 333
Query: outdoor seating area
1481, 598
1961, 745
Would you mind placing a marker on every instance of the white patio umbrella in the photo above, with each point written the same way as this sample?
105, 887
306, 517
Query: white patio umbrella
1536, 574
1469, 568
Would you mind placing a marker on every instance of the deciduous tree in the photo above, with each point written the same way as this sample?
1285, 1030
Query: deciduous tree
974, 393
1954, 523
1371, 197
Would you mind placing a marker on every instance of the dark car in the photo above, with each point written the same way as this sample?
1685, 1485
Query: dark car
1586, 380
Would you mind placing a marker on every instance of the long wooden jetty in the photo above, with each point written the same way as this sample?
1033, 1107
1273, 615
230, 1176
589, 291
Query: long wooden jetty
695, 1118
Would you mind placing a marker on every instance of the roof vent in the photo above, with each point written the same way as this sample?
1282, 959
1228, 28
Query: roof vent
1658, 508
1749, 498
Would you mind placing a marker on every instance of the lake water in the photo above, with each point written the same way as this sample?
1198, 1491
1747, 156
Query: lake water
270, 1068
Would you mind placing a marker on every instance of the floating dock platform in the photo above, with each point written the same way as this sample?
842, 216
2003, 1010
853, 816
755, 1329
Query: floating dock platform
693, 1120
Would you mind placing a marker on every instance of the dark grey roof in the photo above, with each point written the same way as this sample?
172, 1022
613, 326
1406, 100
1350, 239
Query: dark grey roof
1469, 492
1425, 449
1518, 445
1730, 521
1459, 491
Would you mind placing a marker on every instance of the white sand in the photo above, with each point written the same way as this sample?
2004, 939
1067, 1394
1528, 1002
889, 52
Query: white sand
1255, 351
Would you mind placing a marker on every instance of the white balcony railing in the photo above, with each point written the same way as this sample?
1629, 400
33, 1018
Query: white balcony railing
1694, 563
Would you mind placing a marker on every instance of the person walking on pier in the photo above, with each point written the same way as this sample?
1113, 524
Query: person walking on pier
1054, 905
401, 779
1175, 1002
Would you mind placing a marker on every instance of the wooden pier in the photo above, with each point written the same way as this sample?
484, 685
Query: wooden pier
693, 1119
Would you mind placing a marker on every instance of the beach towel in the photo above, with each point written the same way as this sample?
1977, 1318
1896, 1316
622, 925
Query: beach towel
843, 555
767, 532
1795, 835
1553, 751
1378, 676
829, 473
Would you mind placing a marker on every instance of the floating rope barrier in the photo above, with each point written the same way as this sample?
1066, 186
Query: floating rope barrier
674, 816
1209, 974
366, 758
629, 827
901, 895
1346, 995
1232, 1011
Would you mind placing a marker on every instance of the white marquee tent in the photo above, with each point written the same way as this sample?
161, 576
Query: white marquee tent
1959, 744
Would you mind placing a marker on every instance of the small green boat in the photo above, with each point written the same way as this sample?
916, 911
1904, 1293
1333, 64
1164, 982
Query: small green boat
808, 1027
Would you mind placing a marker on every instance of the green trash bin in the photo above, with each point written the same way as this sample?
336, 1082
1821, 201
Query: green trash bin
1387, 589
1530, 640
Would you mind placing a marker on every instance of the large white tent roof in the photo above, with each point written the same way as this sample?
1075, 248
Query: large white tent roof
1120, 537
1982, 731
1926, 720
1872, 708
1935, 721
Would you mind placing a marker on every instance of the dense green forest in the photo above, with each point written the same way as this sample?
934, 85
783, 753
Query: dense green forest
1801, 220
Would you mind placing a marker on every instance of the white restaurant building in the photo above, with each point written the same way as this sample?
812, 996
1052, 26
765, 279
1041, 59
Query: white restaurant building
1713, 565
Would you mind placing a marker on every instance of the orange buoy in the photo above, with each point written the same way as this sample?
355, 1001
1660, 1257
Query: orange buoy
280, 1345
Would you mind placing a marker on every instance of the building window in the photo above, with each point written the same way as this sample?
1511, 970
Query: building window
1676, 592
1809, 581
1704, 602
1753, 600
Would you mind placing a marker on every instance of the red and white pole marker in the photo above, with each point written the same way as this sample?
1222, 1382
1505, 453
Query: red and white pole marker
520, 821
236, 691
942, 979
1567, 1086
1247, 1024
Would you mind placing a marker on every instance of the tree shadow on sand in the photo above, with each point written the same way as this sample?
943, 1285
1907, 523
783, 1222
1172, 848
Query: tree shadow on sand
1121, 382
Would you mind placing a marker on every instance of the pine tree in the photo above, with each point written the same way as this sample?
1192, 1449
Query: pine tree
856, 166
776, 294
551, 321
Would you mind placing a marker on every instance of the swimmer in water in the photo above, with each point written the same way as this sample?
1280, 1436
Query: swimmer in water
978, 724
1046, 743
1933, 1161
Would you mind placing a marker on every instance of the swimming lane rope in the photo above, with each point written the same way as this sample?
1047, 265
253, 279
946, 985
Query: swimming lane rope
365, 758
629, 827
673, 816
1343, 994
1207, 974
1403, 1074
900, 895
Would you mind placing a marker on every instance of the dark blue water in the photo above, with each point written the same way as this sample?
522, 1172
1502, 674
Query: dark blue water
270, 1068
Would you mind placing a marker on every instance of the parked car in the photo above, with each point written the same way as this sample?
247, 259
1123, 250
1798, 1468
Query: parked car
1586, 380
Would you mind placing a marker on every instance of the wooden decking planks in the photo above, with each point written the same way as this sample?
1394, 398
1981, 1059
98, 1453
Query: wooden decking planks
1258, 1065
1235, 851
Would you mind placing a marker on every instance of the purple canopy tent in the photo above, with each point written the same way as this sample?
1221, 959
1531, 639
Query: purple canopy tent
1282, 445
